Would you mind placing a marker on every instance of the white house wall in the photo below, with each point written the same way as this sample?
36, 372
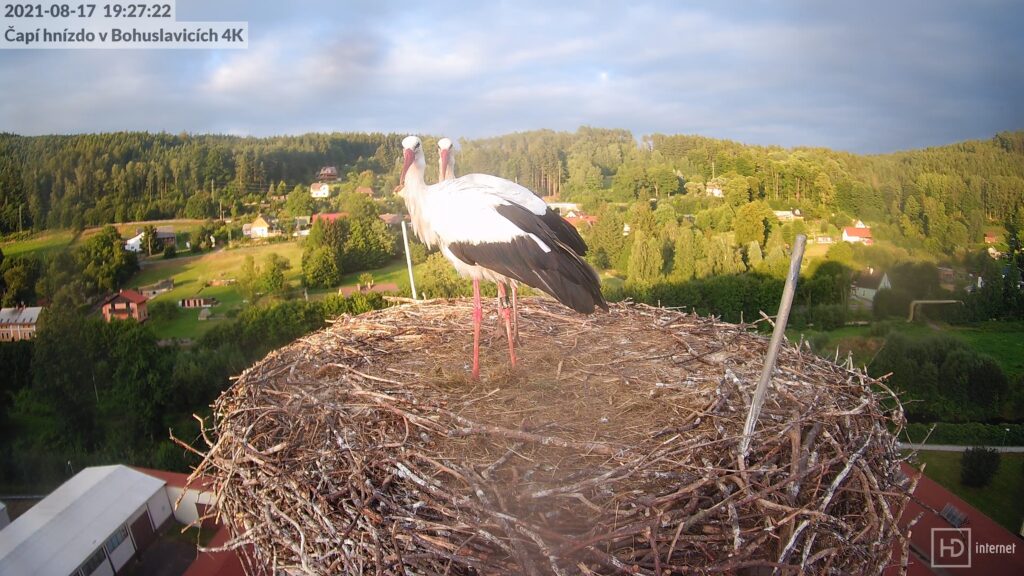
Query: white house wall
159, 508
104, 569
123, 553
186, 511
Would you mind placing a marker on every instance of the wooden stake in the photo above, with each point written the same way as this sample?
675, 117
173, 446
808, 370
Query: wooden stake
408, 261
773, 347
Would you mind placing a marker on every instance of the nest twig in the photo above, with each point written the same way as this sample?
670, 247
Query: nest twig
612, 447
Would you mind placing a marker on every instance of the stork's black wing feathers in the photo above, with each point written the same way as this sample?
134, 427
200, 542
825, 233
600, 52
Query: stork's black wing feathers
560, 272
565, 232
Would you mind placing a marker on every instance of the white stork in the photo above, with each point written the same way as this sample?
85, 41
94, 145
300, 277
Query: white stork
492, 229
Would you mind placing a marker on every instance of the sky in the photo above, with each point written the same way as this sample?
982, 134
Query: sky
866, 77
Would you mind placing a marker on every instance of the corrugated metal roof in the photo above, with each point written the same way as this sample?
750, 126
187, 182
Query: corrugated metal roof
29, 315
62, 530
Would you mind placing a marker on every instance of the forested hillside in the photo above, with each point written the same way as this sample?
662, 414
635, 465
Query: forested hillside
936, 199
94, 179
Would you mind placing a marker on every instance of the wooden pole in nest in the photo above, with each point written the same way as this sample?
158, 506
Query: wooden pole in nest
773, 347
408, 260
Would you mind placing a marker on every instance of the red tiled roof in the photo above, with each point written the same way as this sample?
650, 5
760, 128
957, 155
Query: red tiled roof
930, 497
857, 232
329, 216
224, 563
365, 190
391, 219
177, 479
578, 220
129, 295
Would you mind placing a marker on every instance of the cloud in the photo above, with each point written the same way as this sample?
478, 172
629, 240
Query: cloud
868, 77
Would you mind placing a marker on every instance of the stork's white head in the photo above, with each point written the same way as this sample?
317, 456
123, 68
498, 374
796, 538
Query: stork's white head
446, 169
412, 151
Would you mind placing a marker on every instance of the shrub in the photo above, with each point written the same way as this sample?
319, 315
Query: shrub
163, 310
978, 466
170, 252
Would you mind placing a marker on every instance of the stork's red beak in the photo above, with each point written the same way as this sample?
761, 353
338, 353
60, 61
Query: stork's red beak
410, 157
444, 164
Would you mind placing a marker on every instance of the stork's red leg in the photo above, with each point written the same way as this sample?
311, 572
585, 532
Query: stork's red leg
515, 310
478, 315
506, 314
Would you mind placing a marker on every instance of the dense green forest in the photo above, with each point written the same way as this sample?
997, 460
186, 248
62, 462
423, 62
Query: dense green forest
938, 198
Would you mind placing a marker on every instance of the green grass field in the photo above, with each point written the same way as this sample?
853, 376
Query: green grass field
129, 229
1004, 341
1002, 500
191, 274
39, 244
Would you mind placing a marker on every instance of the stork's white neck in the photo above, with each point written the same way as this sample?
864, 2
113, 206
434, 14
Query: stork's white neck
413, 192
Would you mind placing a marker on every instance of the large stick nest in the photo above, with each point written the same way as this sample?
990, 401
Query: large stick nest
612, 446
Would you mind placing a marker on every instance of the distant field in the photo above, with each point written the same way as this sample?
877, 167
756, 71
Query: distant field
1002, 500
191, 274
39, 244
1004, 341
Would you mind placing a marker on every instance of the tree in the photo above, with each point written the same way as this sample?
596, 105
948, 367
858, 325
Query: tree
104, 262
436, 278
978, 466
684, 257
299, 202
271, 276
645, 262
753, 223
754, 256
320, 268
149, 238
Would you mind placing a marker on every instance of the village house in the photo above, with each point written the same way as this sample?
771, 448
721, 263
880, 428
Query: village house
329, 216
990, 238
867, 284
151, 290
365, 190
18, 323
126, 304
858, 234
391, 219
327, 174
319, 190
196, 302
788, 215
261, 227
164, 235
580, 221
714, 190
564, 208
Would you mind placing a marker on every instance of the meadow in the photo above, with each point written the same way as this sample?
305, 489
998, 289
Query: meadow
38, 244
191, 274
1004, 341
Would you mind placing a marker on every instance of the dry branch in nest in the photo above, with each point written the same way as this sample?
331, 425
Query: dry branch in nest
611, 448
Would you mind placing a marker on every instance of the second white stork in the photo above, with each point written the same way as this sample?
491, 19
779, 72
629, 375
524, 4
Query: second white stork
487, 234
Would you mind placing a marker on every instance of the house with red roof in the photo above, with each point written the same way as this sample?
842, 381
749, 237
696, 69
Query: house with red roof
581, 221
859, 233
953, 537
329, 216
126, 304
